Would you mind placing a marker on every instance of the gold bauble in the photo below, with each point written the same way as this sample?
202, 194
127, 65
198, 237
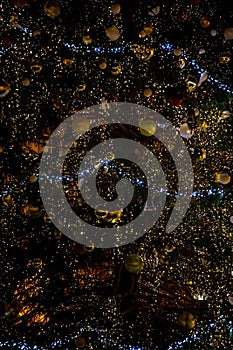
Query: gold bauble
228, 33
224, 115
32, 178
134, 263
224, 58
7, 198
154, 11
110, 156
191, 83
185, 131
204, 22
142, 52
142, 34
147, 127
181, 63
116, 69
68, 61
32, 211
4, 88
112, 33
26, 82
177, 52
39, 318
14, 20
115, 9
222, 178
80, 124
186, 320
87, 40
148, 29
52, 8
81, 87
109, 217
103, 65
36, 32
147, 92
36, 68
89, 248
80, 341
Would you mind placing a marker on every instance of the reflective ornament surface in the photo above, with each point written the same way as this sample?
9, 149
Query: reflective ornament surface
4, 88
115, 9
112, 33
205, 22
52, 8
228, 33
134, 263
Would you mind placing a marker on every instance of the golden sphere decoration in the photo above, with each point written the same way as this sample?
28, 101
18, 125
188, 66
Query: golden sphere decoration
185, 131
4, 88
68, 61
14, 20
224, 58
7, 198
103, 65
154, 11
81, 87
32, 211
89, 248
177, 51
109, 217
80, 341
112, 33
36, 68
191, 83
181, 63
228, 33
186, 320
134, 263
204, 22
147, 127
142, 52
26, 82
80, 124
147, 30
110, 156
36, 32
116, 69
224, 115
87, 40
32, 178
115, 9
52, 8
147, 92
222, 178
39, 318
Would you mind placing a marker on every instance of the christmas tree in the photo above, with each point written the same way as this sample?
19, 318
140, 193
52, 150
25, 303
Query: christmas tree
163, 290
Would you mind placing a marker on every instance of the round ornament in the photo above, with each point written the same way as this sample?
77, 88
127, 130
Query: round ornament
134, 263
112, 33
186, 320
